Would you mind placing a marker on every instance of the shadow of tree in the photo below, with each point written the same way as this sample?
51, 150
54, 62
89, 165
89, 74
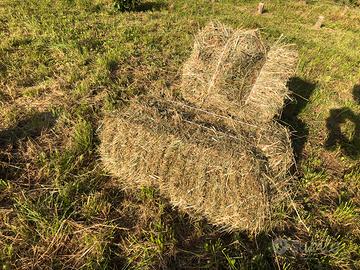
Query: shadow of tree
302, 91
151, 6
341, 117
143, 6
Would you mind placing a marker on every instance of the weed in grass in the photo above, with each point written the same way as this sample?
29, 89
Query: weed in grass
322, 251
313, 171
353, 175
346, 213
325, 251
82, 136
94, 205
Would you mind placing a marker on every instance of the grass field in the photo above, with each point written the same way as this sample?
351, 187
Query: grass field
65, 64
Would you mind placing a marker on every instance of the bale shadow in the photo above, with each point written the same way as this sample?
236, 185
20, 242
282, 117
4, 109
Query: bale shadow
30, 127
302, 91
356, 93
200, 244
350, 146
197, 243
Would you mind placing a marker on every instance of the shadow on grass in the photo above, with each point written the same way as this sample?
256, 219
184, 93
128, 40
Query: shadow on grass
197, 244
144, 6
302, 91
151, 6
338, 118
30, 127
215, 250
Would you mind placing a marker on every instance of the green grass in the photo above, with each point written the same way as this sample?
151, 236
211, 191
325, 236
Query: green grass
64, 64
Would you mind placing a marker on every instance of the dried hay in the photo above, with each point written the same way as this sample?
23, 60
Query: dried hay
231, 72
274, 141
271, 138
221, 59
201, 169
218, 153
222, 67
266, 98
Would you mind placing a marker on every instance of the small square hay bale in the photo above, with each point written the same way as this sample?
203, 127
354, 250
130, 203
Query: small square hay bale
231, 72
205, 172
222, 67
267, 96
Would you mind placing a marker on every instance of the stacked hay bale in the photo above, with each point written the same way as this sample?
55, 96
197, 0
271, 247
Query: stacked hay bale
222, 68
210, 155
232, 72
267, 96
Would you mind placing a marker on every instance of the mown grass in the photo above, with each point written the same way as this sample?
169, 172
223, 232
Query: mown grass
64, 64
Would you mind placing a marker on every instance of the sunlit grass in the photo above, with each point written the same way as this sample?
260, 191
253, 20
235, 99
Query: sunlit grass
77, 60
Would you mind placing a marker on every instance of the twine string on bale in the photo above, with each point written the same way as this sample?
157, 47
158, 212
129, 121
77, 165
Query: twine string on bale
272, 138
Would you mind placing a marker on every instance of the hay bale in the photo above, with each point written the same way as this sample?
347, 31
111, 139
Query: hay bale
222, 68
218, 154
271, 138
274, 141
203, 171
267, 97
231, 72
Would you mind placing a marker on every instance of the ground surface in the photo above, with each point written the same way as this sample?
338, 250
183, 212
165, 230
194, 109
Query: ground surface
64, 64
